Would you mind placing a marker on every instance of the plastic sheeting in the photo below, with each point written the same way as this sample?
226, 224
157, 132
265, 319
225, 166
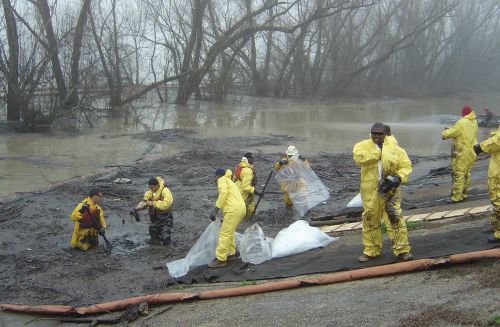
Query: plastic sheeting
301, 183
255, 247
202, 252
297, 238
356, 202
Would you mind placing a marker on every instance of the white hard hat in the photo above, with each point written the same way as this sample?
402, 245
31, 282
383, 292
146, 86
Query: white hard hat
291, 151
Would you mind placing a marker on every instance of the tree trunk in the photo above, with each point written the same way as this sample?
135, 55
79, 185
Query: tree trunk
13, 90
72, 99
43, 8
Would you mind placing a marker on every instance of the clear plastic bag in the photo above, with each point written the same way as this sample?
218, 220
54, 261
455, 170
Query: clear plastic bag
202, 252
297, 238
355, 202
301, 183
255, 247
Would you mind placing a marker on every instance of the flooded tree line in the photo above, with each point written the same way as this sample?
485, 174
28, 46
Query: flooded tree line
64, 57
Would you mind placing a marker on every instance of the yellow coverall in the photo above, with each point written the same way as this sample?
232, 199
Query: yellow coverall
81, 235
246, 187
492, 146
162, 199
233, 210
395, 162
464, 134
160, 215
286, 196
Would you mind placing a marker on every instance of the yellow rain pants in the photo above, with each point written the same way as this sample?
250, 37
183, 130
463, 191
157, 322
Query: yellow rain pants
464, 134
394, 162
492, 146
246, 187
233, 210
82, 236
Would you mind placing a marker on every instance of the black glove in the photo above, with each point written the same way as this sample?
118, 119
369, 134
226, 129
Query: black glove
213, 214
102, 232
394, 180
283, 162
84, 208
388, 184
257, 193
135, 214
477, 149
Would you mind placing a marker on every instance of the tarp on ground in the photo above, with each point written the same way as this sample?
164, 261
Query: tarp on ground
338, 256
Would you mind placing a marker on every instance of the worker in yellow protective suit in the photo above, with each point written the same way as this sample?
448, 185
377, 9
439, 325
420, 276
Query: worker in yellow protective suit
158, 200
290, 152
384, 166
492, 146
89, 222
233, 210
464, 134
245, 179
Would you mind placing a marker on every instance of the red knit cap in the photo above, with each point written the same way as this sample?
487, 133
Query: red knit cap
466, 110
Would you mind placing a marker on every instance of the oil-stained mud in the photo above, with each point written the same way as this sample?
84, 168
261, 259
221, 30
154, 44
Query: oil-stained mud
37, 265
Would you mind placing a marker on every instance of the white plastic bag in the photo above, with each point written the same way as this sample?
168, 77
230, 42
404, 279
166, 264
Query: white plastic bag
297, 238
301, 183
254, 247
355, 202
202, 252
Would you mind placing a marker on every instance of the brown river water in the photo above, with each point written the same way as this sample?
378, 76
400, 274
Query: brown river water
31, 161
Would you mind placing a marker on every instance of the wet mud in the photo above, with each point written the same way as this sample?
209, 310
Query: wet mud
37, 265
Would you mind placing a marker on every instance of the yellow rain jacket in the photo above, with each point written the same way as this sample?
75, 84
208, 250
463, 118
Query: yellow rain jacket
162, 199
464, 134
82, 236
245, 185
391, 139
492, 146
233, 210
395, 162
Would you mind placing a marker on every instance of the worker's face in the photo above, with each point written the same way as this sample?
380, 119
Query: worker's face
250, 160
378, 136
216, 178
154, 188
96, 198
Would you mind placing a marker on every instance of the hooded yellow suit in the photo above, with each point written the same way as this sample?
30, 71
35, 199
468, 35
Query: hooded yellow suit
246, 187
492, 146
395, 162
233, 210
464, 137
85, 238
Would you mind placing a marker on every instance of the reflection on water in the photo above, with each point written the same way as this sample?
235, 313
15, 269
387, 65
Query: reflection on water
29, 161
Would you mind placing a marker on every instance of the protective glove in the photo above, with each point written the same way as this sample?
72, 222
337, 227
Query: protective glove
84, 208
257, 193
102, 232
477, 149
283, 162
395, 180
135, 214
214, 214
388, 184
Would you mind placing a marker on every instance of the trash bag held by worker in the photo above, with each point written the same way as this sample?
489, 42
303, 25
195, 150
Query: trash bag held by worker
254, 247
302, 185
202, 252
297, 238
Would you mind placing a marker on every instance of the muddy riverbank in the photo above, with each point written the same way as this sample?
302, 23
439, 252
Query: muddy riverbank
38, 266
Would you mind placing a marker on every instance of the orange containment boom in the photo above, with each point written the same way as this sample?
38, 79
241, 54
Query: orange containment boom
337, 277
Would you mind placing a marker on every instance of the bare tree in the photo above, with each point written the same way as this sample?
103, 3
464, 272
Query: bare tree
11, 68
